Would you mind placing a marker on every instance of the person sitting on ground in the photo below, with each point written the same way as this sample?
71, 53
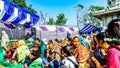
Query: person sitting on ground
69, 60
54, 47
43, 47
10, 50
29, 42
33, 55
53, 55
4, 40
21, 52
63, 42
50, 61
57, 50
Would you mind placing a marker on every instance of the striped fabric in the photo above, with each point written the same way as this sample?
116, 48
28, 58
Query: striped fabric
90, 29
16, 15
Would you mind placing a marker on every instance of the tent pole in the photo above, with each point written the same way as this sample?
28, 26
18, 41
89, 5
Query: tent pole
56, 31
40, 34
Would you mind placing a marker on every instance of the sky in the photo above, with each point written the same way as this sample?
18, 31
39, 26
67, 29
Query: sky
55, 7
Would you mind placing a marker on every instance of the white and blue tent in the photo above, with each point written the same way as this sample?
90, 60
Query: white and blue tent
16, 15
90, 29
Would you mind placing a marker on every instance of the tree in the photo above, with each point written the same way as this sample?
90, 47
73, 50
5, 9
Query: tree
22, 3
51, 21
79, 7
61, 20
31, 9
95, 8
43, 17
94, 20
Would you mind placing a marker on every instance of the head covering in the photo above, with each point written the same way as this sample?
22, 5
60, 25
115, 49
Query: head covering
83, 42
21, 42
45, 41
4, 32
5, 36
43, 47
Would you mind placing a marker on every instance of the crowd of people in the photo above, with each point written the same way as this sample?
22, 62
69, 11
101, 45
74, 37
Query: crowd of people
100, 50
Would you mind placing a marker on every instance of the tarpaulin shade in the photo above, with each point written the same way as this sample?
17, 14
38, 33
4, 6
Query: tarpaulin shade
35, 19
90, 29
21, 16
8, 11
16, 15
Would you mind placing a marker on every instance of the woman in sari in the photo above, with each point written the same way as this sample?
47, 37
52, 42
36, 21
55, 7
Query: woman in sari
80, 53
21, 52
113, 57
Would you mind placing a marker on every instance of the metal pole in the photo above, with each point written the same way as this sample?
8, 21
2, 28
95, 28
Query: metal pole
56, 31
40, 34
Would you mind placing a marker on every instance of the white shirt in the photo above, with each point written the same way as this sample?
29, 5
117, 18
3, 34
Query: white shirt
67, 63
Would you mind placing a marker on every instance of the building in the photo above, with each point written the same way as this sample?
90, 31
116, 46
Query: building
113, 3
112, 11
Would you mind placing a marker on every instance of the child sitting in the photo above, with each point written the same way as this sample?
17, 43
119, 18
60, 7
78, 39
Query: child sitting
33, 55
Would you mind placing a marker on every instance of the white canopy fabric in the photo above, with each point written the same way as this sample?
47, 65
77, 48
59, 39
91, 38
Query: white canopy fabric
9, 12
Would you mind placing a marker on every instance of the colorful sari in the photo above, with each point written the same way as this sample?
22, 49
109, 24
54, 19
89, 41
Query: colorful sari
23, 51
113, 58
81, 54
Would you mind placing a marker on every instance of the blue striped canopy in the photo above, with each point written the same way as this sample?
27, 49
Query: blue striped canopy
9, 10
90, 29
16, 15
21, 16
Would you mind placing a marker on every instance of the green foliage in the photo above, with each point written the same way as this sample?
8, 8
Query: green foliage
93, 19
90, 14
95, 8
31, 9
51, 21
92, 9
79, 6
22, 3
87, 17
61, 20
